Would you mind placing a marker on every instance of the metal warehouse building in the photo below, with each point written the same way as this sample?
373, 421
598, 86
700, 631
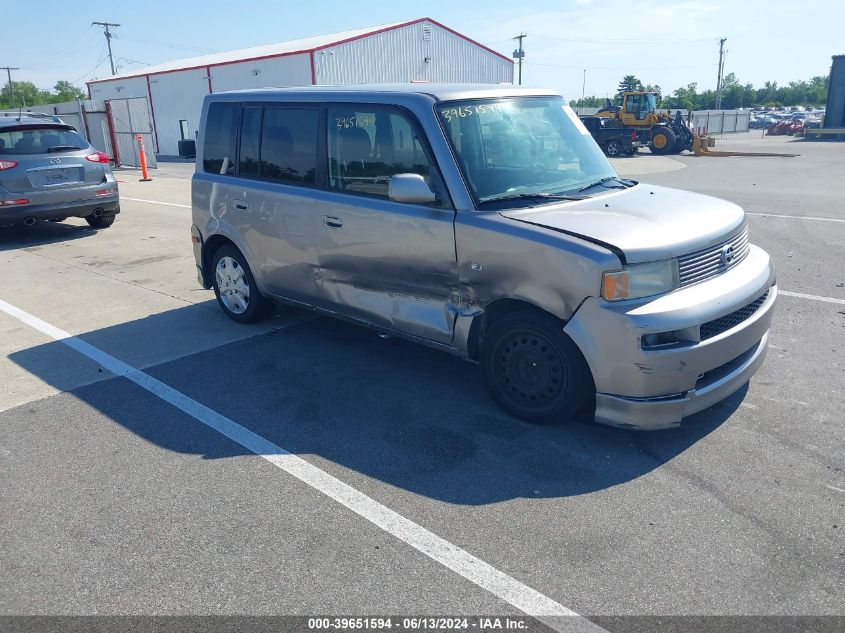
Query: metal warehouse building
419, 50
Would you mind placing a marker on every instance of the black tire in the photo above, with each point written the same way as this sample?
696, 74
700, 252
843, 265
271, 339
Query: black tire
631, 151
257, 307
613, 149
533, 370
100, 222
664, 146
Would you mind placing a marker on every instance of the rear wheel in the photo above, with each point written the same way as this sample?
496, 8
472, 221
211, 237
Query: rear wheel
534, 370
235, 287
100, 221
662, 140
613, 148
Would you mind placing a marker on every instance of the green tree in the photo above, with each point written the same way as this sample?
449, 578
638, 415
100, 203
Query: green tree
629, 83
66, 91
683, 98
588, 102
24, 94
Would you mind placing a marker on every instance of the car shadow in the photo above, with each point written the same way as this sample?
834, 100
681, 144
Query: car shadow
21, 236
412, 417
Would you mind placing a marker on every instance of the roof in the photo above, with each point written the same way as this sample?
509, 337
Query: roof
439, 91
291, 47
29, 118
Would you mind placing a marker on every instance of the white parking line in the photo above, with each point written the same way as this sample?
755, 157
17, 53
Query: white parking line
166, 204
801, 295
489, 578
795, 217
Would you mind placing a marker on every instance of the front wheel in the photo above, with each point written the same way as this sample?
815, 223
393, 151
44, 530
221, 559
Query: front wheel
662, 141
533, 370
235, 287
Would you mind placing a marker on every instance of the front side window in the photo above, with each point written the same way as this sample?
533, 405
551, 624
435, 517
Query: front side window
221, 127
367, 145
40, 139
522, 145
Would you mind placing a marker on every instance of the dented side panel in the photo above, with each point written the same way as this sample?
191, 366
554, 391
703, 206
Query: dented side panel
501, 258
391, 265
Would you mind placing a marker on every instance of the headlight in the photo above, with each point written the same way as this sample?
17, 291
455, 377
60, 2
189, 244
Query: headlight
640, 280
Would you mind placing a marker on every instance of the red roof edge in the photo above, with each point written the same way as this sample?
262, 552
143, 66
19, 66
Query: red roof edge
311, 51
409, 23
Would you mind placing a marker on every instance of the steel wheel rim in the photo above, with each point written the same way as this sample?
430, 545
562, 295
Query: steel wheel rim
531, 370
612, 149
659, 141
232, 285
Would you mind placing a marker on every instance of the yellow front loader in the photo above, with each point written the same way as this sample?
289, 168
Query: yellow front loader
669, 135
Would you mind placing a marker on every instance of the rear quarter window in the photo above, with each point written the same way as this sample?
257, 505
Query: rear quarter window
221, 126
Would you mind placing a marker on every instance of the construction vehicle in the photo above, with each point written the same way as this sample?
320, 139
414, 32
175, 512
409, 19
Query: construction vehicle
669, 135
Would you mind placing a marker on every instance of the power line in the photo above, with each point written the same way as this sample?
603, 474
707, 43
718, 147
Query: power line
100, 59
628, 67
610, 40
108, 35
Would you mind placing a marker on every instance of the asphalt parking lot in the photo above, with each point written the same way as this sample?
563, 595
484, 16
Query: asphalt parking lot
389, 483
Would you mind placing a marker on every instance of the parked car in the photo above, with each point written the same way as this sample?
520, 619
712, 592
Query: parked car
48, 171
483, 221
614, 138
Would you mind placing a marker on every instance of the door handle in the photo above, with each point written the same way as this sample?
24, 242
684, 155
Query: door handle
332, 222
240, 204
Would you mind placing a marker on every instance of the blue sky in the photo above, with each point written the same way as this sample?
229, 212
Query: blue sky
666, 42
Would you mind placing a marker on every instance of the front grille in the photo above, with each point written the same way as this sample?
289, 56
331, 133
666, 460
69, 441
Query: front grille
725, 323
717, 373
709, 262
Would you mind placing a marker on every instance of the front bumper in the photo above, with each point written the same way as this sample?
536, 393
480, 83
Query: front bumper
655, 388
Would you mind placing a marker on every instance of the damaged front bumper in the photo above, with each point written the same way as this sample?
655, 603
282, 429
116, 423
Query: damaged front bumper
646, 386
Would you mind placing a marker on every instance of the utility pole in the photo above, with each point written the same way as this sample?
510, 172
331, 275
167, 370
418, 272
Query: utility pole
9, 70
583, 87
719, 78
106, 26
519, 54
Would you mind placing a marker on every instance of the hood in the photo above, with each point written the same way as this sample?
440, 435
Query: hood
645, 222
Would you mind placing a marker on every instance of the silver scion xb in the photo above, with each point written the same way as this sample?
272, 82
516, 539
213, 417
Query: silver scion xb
49, 172
485, 221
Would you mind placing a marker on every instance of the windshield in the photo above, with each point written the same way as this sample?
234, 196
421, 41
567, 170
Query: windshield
649, 103
39, 139
522, 146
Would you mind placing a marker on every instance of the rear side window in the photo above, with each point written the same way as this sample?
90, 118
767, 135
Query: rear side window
218, 154
250, 139
289, 145
40, 139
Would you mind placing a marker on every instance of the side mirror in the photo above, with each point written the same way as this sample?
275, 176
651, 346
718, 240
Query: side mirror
409, 188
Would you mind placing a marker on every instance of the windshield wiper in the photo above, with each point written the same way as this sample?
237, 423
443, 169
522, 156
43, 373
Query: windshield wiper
62, 148
623, 184
533, 196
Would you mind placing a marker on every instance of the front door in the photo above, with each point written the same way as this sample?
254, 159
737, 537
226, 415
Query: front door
387, 263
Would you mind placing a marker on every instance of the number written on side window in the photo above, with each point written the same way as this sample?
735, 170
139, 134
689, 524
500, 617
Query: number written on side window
366, 148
